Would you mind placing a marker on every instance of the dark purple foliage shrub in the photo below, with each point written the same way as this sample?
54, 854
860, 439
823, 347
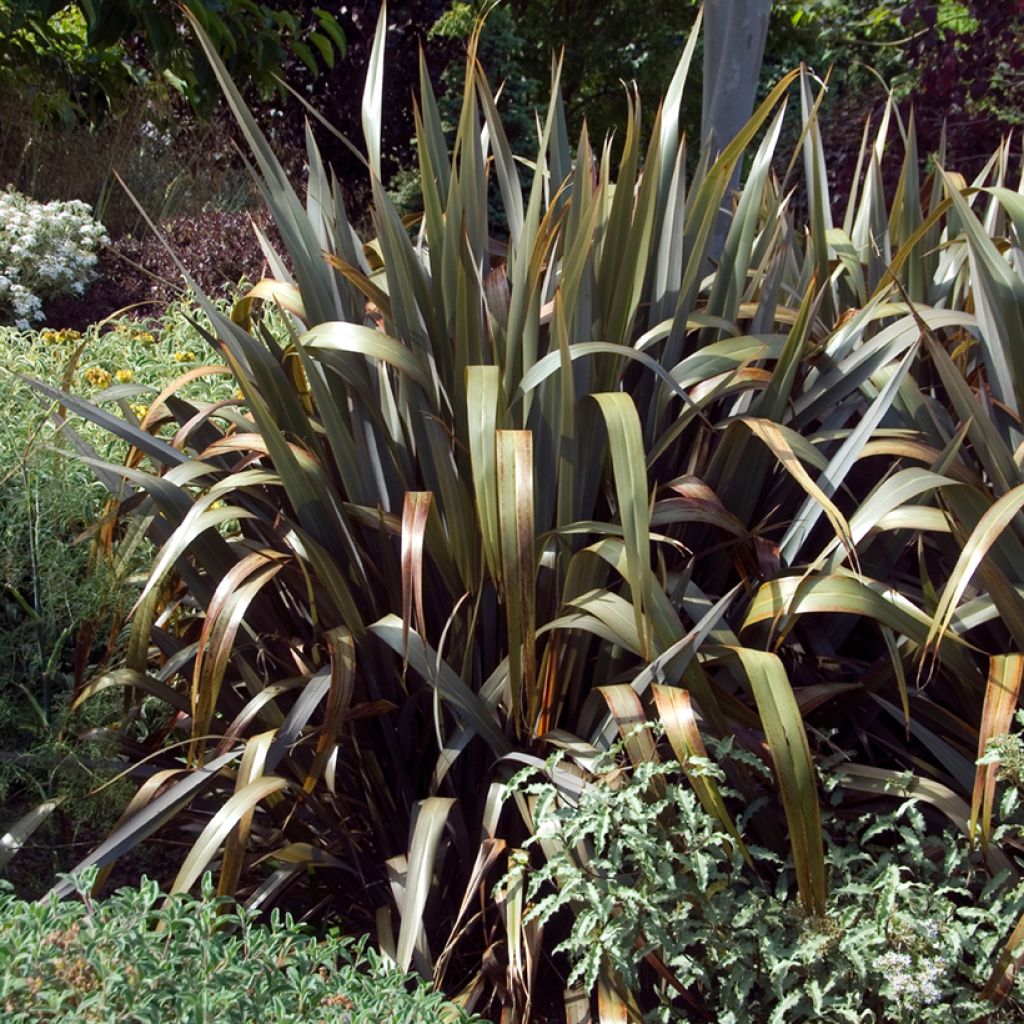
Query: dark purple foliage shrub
217, 249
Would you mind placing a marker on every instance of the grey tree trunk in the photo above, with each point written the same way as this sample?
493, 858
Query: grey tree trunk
734, 36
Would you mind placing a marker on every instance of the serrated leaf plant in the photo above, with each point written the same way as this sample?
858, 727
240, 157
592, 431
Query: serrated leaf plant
649, 877
483, 497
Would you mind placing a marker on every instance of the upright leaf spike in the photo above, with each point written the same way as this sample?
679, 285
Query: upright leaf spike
373, 93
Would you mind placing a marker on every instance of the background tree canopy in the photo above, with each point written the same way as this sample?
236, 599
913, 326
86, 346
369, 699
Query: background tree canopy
96, 65
129, 39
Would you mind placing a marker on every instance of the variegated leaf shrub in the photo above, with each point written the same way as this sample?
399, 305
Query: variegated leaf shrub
664, 900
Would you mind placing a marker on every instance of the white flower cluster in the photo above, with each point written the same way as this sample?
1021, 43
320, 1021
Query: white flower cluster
46, 249
912, 981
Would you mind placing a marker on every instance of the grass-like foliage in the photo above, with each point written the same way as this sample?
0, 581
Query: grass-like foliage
483, 497
61, 596
136, 957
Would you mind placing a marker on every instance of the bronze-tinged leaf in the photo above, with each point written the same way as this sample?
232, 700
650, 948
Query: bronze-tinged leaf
224, 617
630, 721
1000, 981
514, 466
254, 757
1001, 696
415, 511
342, 649
231, 815
675, 711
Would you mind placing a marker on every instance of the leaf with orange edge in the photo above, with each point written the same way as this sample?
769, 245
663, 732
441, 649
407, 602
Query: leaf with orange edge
131, 677
218, 828
415, 511
224, 617
630, 720
254, 758
148, 814
1001, 696
611, 1005
342, 649
675, 712
996, 519
1000, 981
779, 444
283, 294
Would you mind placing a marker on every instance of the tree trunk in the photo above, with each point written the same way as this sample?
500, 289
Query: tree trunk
734, 36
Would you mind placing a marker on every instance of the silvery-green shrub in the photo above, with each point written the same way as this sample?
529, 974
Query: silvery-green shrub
638, 866
136, 958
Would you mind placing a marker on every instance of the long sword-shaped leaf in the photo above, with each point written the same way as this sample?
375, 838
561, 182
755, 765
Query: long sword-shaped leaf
514, 469
849, 451
414, 526
1001, 696
999, 299
629, 470
431, 815
224, 617
996, 519
373, 93
250, 770
675, 711
794, 772
228, 817
466, 705
148, 818
21, 831
483, 396
354, 338
780, 446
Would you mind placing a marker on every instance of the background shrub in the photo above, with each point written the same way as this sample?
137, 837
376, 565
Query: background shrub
45, 250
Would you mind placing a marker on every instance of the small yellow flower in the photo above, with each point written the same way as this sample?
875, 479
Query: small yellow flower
50, 337
184, 357
98, 377
123, 376
68, 335
240, 394
145, 338
139, 409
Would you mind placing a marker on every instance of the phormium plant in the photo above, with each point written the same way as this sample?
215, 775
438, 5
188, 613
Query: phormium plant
484, 497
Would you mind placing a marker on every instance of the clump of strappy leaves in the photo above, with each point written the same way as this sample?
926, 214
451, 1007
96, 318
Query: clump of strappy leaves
910, 932
135, 957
